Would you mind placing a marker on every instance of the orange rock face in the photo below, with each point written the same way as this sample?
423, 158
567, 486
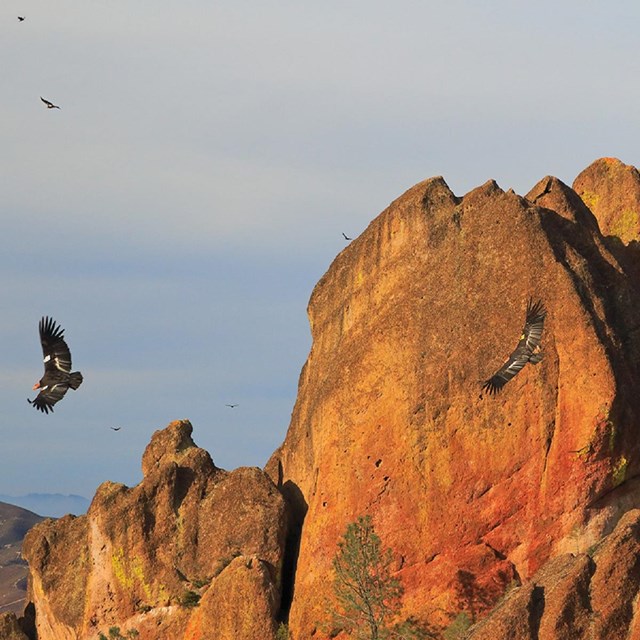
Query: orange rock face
576, 596
142, 557
472, 493
529, 498
611, 189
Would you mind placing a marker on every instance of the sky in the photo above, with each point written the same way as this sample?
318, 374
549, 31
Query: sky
175, 214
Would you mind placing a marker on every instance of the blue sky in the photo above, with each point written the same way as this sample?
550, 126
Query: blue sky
175, 214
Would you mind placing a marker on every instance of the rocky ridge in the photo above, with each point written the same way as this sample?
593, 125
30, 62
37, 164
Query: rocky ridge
527, 500
473, 494
143, 557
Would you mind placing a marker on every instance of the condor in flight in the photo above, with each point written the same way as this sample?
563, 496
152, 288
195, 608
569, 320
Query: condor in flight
57, 376
528, 349
48, 104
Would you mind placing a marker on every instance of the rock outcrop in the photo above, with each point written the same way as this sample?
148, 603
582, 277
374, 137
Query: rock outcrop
473, 494
519, 511
161, 557
583, 595
10, 628
611, 189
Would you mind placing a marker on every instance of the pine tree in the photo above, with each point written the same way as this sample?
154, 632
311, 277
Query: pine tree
366, 591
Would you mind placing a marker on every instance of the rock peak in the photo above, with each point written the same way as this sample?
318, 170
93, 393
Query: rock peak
405, 324
167, 445
611, 189
142, 557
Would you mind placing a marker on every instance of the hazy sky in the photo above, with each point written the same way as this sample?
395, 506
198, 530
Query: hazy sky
176, 212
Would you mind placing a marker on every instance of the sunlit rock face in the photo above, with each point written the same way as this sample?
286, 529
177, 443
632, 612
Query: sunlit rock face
611, 189
527, 498
473, 494
156, 556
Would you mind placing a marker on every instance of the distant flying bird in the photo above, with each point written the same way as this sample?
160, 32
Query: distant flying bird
346, 237
528, 349
21, 18
232, 406
50, 105
115, 428
57, 376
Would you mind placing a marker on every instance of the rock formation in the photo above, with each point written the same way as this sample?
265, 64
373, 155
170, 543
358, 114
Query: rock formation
474, 494
576, 595
11, 628
161, 557
611, 189
528, 500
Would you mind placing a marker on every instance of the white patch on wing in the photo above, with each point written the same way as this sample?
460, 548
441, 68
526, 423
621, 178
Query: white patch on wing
47, 358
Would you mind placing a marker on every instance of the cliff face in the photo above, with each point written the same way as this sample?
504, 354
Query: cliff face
576, 595
530, 498
141, 556
472, 493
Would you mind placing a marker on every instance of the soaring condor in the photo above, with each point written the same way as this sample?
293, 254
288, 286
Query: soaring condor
48, 104
57, 376
528, 349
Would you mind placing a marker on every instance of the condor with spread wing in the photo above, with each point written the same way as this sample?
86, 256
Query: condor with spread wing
57, 376
528, 349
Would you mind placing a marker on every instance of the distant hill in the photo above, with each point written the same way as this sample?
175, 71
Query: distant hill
14, 524
49, 505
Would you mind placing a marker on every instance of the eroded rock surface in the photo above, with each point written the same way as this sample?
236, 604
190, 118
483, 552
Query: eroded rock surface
576, 596
142, 557
473, 494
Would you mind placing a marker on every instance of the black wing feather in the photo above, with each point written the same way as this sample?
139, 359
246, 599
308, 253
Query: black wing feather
45, 400
55, 350
534, 324
528, 343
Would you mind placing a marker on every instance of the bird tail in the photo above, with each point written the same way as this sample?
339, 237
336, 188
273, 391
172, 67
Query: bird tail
75, 380
534, 358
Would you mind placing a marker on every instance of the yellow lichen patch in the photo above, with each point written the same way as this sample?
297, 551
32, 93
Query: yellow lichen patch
118, 565
620, 471
128, 573
626, 226
590, 199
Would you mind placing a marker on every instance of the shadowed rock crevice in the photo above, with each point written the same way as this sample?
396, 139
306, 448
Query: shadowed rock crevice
536, 609
576, 596
296, 512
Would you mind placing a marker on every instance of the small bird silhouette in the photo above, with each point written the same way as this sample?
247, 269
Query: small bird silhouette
115, 428
346, 237
50, 105
21, 18
231, 406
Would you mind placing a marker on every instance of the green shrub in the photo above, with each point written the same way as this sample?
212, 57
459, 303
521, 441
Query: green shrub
190, 599
368, 595
115, 634
458, 628
283, 632
198, 583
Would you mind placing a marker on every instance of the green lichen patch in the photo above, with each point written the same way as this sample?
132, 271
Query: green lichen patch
620, 471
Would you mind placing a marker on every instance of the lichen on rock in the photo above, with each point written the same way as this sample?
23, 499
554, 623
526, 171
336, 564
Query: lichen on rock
138, 550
